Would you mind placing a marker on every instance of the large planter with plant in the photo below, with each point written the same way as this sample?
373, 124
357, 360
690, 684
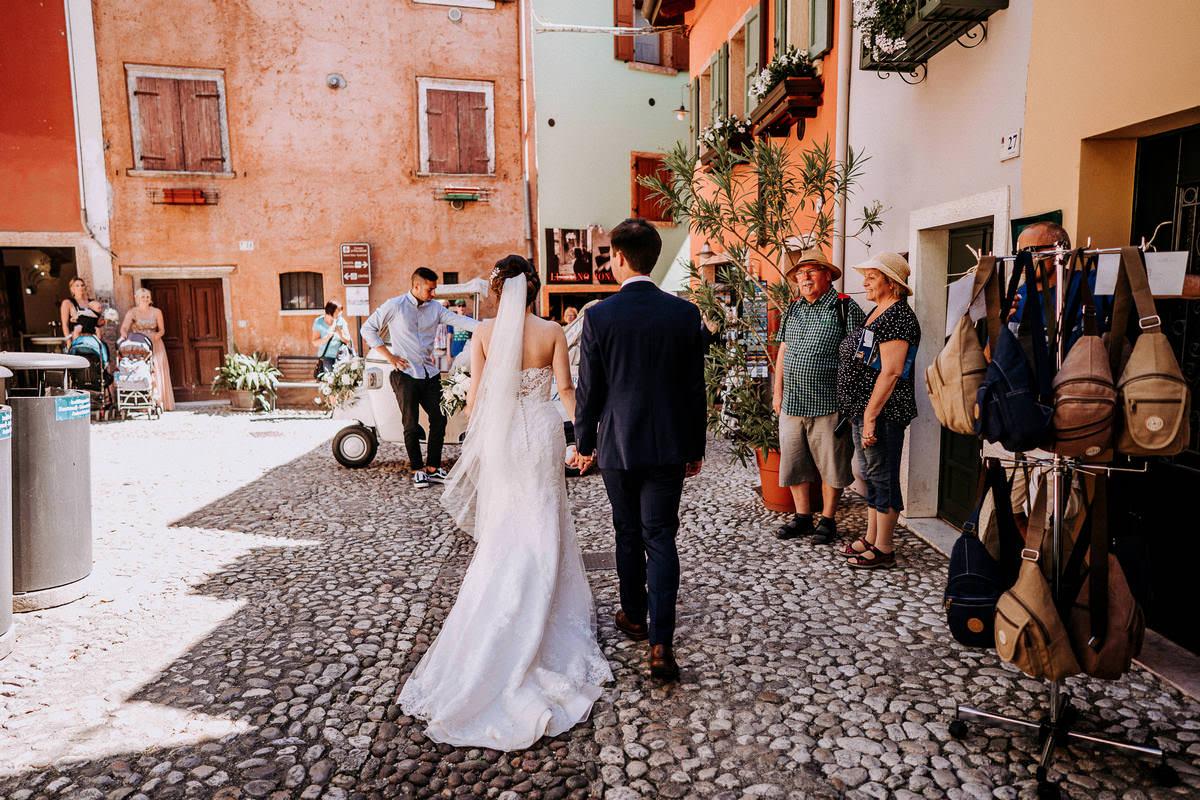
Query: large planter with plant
251, 379
746, 206
788, 92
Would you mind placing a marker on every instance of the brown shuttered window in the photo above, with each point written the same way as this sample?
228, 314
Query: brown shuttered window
679, 51
178, 125
457, 129
646, 204
623, 18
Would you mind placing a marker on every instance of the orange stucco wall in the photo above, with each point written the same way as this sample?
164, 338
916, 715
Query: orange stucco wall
712, 23
314, 166
39, 178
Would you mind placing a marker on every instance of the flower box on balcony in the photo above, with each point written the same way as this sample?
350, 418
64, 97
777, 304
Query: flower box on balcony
737, 141
931, 27
791, 101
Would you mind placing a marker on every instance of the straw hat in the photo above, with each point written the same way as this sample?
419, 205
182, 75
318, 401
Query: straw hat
796, 254
892, 265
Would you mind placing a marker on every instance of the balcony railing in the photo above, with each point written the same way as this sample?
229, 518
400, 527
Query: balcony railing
931, 27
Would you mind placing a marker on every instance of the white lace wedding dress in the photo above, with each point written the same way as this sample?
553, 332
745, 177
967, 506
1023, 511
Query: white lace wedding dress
517, 657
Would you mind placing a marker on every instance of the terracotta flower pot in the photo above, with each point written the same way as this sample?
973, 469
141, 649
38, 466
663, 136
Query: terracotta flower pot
242, 400
775, 497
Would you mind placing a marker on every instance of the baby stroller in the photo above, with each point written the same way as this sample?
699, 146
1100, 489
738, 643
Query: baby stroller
95, 379
136, 378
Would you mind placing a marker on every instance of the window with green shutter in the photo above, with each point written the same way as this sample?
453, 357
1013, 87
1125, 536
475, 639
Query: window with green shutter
820, 27
781, 26
753, 64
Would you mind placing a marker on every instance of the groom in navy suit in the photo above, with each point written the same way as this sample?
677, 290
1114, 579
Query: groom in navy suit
640, 411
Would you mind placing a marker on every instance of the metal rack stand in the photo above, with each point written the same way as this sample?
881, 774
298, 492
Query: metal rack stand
1056, 728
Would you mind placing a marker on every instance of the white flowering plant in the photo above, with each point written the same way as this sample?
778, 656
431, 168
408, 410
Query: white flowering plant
340, 384
791, 63
882, 23
454, 390
725, 129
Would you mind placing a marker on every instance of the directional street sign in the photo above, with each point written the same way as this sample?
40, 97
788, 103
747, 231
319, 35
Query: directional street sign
356, 263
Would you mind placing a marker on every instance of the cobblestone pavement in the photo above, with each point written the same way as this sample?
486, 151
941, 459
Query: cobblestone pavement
256, 609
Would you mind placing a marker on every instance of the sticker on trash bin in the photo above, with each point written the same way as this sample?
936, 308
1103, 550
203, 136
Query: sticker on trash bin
72, 406
5, 423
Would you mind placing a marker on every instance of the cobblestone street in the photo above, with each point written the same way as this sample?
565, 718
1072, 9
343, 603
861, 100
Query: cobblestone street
256, 609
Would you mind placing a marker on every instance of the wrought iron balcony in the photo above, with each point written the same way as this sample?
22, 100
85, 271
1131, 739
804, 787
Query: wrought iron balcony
931, 27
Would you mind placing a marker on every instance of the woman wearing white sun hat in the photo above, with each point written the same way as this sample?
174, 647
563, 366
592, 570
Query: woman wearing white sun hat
875, 390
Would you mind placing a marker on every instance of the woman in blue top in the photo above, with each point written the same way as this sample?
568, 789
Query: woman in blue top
330, 333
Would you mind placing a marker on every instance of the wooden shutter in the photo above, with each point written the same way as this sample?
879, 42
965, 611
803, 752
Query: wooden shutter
158, 124
200, 115
647, 204
441, 126
473, 133
679, 51
693, 115
753, 63
820, 27
623, 18
723, 83
781, 26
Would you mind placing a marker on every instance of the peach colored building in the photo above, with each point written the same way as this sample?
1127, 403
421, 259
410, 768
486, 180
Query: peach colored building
245, 142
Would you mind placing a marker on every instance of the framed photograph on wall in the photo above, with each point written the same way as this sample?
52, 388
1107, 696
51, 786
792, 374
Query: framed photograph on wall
601, 246
568, 256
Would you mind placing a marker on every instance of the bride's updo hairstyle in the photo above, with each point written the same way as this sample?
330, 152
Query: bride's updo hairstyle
511, 267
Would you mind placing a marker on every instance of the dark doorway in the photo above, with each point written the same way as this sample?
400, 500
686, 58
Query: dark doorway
1155, 526
194, 316
958, 466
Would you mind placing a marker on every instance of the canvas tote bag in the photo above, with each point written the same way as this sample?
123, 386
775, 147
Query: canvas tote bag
954, 377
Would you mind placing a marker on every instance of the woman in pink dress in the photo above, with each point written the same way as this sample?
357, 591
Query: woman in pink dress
145, 318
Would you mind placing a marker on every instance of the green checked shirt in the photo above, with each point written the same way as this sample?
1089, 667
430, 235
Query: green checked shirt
812, 333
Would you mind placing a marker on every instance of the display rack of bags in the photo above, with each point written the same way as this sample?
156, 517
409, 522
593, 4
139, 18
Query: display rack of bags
1065, 404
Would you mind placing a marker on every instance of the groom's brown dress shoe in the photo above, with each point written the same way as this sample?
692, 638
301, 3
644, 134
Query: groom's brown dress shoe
639, 633
662, 663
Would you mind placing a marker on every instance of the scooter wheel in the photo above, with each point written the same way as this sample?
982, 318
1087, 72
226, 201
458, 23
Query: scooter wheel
355, 446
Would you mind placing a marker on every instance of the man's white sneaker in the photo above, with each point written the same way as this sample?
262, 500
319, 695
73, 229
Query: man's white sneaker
421, 479
437, 476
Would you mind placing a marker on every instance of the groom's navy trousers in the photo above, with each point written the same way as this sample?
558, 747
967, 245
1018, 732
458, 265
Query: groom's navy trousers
640, 407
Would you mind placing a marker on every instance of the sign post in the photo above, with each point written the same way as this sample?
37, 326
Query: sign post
355, 263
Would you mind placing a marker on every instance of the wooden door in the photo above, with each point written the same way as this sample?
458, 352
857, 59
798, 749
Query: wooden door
194, 317
958, 468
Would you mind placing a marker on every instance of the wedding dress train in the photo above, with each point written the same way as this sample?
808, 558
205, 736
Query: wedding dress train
517, 657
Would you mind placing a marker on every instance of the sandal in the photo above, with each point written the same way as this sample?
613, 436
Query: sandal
878, 559
849, 550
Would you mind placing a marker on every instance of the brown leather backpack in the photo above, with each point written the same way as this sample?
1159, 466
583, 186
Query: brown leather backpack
954, 377
1105, 622
1029, 631
1085, 399
1154, 397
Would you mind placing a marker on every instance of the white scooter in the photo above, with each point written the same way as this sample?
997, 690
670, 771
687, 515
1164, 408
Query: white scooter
375, 417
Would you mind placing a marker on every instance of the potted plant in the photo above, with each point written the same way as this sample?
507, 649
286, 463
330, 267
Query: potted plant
788, 91
731, 130
792, 197
249, 378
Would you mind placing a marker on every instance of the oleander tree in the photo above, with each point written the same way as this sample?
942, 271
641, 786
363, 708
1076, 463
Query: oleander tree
747, 203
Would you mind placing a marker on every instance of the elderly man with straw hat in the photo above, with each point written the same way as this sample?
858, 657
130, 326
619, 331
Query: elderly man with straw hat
813, 446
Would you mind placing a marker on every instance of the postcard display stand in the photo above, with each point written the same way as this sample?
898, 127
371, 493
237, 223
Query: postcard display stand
1057, 726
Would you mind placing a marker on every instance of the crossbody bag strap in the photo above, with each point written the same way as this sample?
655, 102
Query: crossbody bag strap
1006, 526
1036, 532
1074, 301
1098, 571
1139, 286
987, 279
1033, 320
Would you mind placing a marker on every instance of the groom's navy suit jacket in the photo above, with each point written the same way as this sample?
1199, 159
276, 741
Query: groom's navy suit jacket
640, 399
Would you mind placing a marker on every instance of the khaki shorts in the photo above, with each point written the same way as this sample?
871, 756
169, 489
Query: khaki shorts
809, 451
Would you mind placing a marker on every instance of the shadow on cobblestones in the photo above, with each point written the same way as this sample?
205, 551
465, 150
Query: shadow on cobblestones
801, 678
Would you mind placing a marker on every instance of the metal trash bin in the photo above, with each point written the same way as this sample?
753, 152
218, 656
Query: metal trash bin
51, 481
6, 572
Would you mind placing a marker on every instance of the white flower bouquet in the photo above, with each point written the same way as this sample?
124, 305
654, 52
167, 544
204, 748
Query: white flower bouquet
340, 384
791, 63
882, 23
454, 390
725, 129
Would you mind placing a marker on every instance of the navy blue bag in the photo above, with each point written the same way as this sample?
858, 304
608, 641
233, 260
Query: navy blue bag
976, 580
1016, 401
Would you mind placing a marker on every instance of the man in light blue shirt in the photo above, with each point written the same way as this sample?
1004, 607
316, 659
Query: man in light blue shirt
412, 321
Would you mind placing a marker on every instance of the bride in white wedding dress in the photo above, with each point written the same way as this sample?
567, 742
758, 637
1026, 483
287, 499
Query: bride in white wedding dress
517, 657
